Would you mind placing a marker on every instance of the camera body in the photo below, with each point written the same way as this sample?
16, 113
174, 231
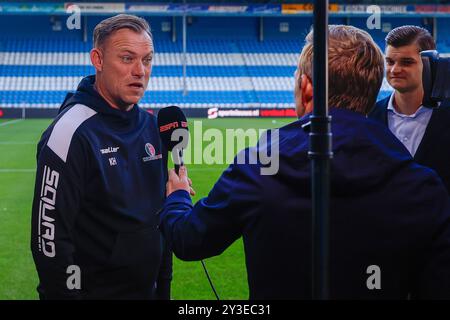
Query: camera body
435, 78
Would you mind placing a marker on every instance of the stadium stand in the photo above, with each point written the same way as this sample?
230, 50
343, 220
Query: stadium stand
40, 72
227, 64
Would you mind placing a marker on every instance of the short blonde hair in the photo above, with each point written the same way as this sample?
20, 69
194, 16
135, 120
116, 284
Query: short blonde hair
121, 21
355, 67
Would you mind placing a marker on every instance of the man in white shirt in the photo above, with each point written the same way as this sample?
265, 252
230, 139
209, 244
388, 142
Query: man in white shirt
424, 131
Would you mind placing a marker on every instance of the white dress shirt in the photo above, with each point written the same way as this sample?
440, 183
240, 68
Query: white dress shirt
409, 129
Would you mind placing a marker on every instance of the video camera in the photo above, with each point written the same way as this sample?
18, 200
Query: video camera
435, 78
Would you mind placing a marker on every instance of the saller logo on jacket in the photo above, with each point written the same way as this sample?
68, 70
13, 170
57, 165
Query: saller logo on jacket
46, 226
109, 150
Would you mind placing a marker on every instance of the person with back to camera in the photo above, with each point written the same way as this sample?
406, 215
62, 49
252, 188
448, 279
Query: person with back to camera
388, 215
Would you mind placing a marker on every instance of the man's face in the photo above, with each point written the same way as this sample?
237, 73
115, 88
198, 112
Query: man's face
127, 65
404, 68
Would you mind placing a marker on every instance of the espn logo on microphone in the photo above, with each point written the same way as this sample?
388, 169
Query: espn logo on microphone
173, 125
46, 226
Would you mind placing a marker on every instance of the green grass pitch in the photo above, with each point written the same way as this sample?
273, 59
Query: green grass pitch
18, 277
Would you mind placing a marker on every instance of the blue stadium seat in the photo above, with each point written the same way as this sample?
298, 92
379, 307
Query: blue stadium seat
222, 72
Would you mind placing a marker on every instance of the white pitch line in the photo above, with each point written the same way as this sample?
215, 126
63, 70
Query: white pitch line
16, 142
10, 122
204, 169
17, 170
34, 170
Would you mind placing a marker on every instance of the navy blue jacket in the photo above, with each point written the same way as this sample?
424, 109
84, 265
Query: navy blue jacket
386, 211
100, 181
434, 149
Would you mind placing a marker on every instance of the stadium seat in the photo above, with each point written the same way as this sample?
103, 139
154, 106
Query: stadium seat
39, 71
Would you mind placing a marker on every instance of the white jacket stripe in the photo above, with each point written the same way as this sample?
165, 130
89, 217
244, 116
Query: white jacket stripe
66, 126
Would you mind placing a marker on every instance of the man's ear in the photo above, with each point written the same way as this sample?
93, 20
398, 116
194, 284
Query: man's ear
97, 59
306, 88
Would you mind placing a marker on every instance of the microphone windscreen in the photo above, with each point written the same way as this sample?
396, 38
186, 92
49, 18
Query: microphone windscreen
171, 119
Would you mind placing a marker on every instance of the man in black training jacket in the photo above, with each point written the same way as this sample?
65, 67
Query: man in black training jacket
101, 175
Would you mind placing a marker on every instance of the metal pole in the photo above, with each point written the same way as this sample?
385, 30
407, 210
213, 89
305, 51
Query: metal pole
174, 29
435, 29
261, 29
85, 29
184, 56
320, 154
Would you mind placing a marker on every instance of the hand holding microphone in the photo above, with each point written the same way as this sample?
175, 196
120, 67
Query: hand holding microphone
179, 182
172, 125
174, 133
